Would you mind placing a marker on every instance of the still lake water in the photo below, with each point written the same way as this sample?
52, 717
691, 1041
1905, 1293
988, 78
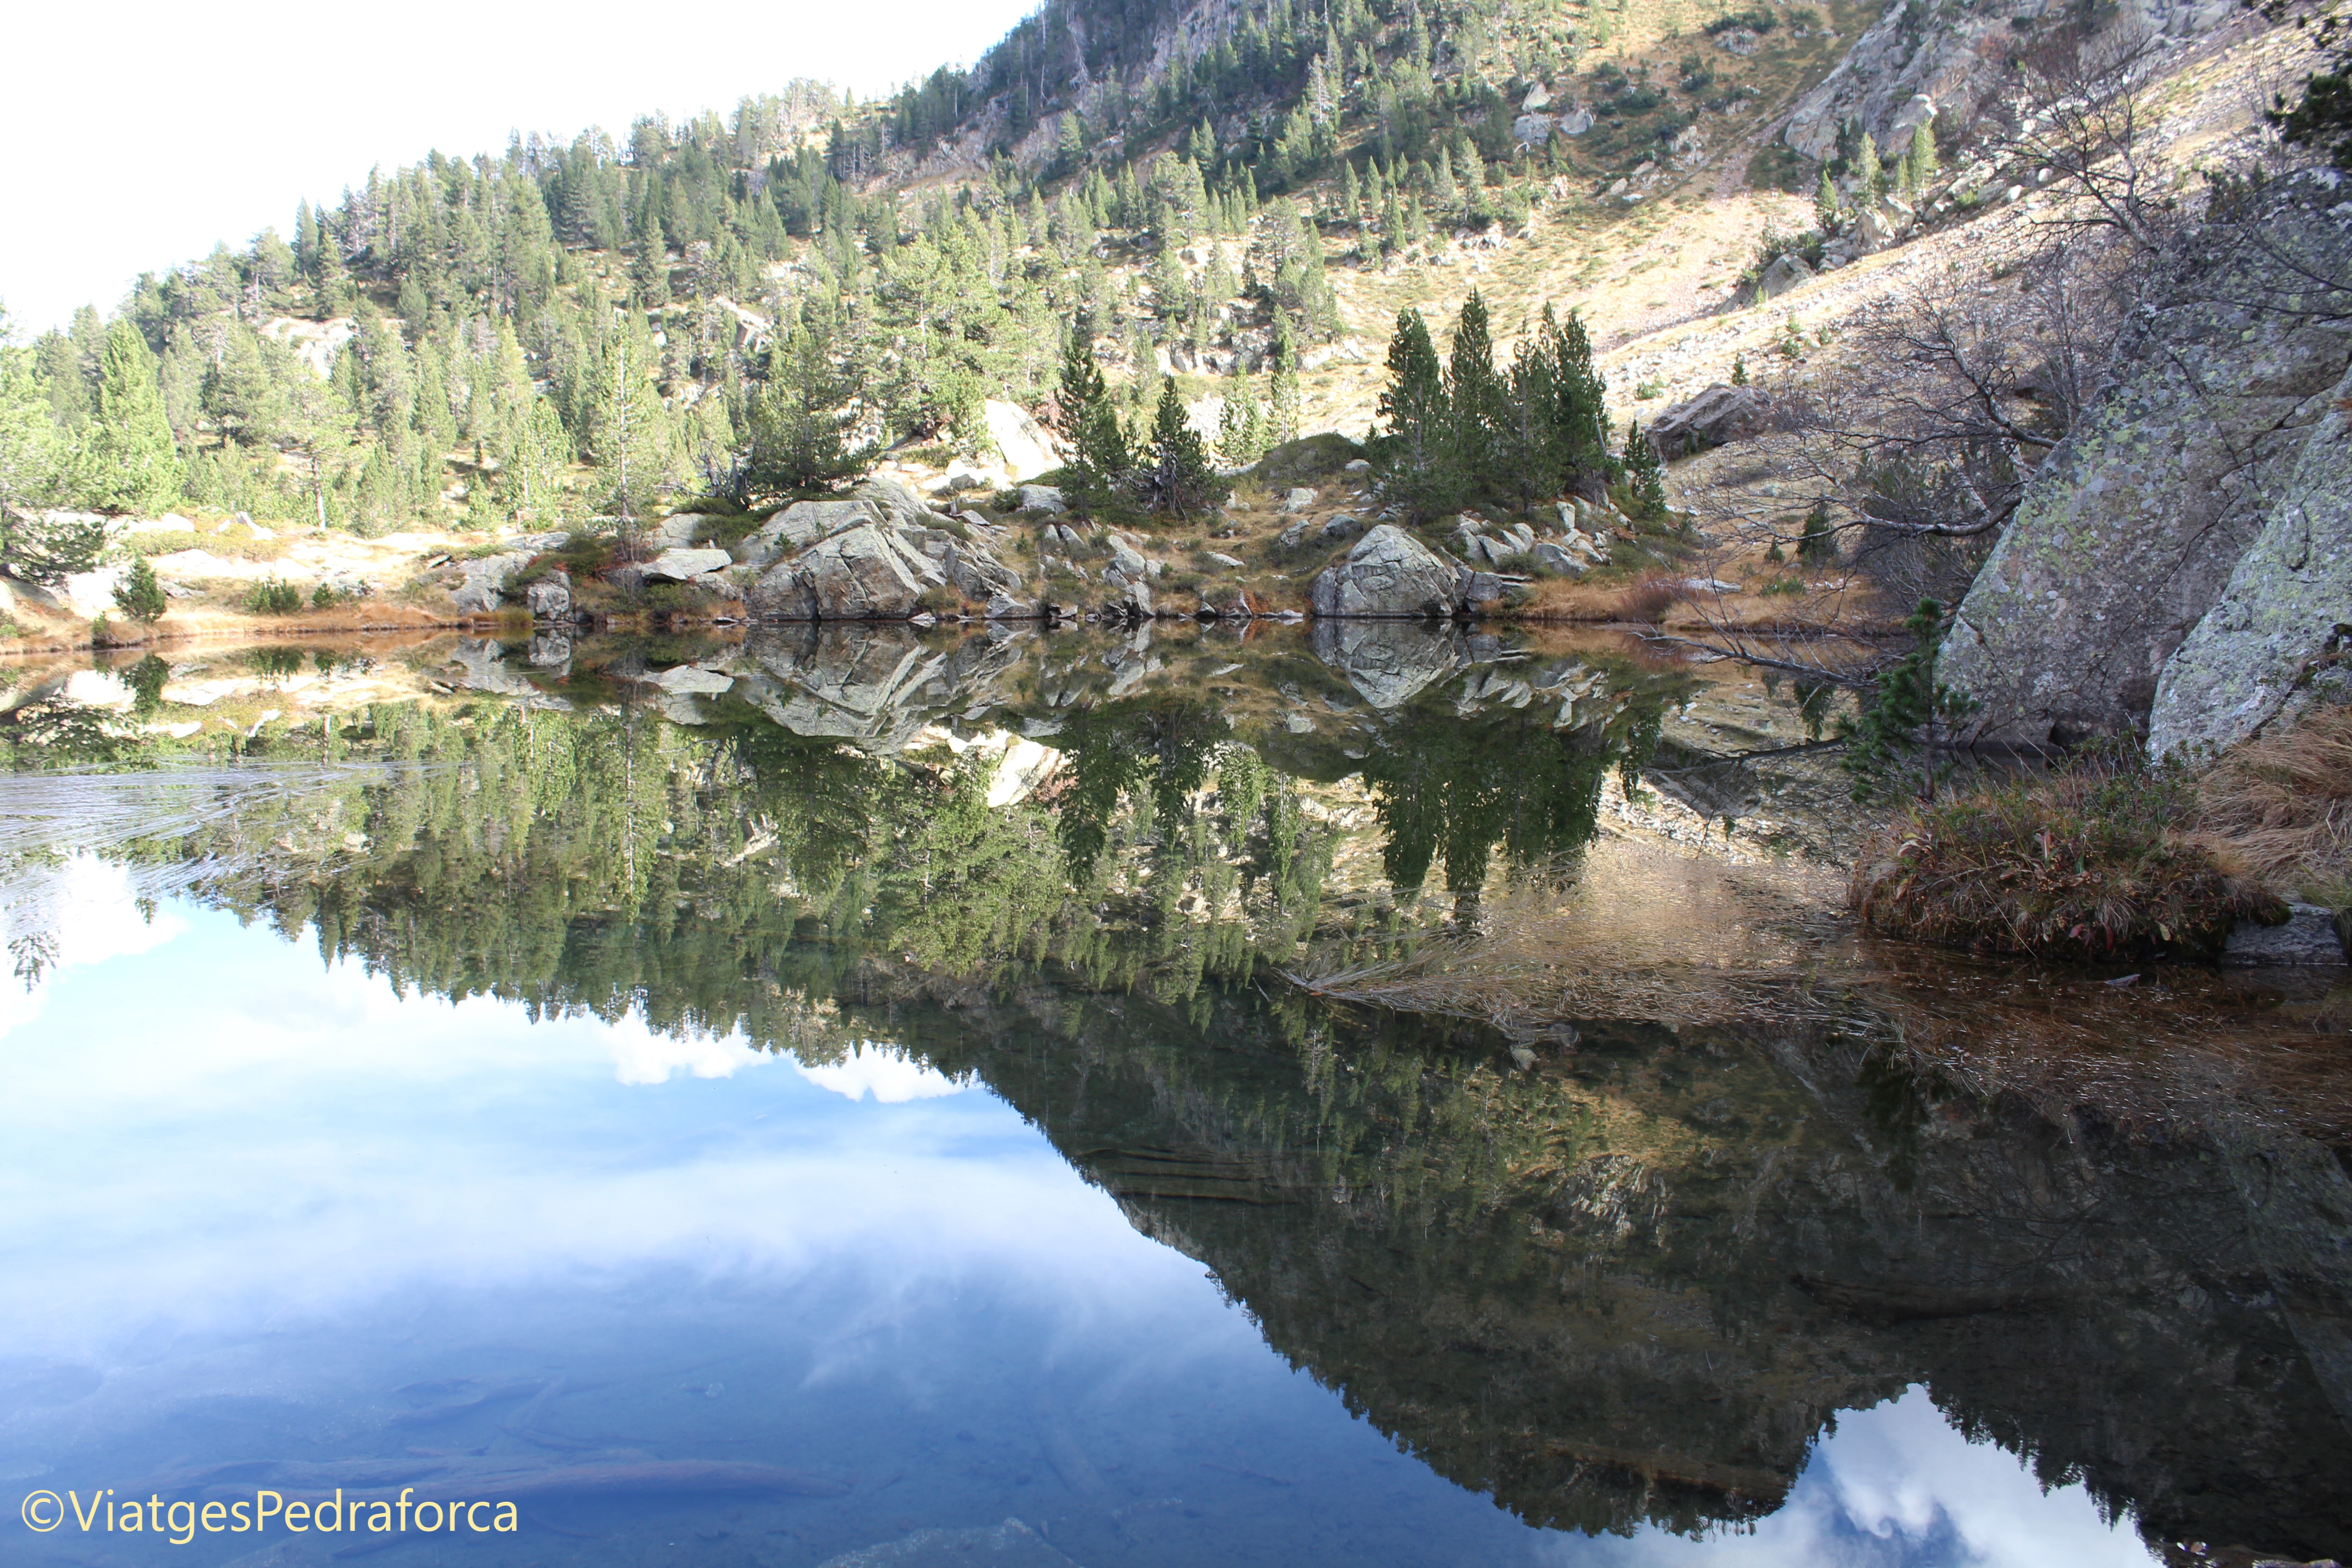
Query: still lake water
843, 1100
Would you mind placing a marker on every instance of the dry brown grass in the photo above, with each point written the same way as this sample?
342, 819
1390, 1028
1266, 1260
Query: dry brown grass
2283, 805
1647, 598
2084, 864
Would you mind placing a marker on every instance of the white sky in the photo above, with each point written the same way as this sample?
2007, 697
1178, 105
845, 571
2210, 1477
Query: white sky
139, 134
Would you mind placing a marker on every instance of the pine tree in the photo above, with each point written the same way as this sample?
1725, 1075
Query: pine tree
1283, 391
532, 475
128, 462
1473, 393
800, 422
1175, 476
1869, 174
1099, 460
1818, 542
31, 445
1644, 473
1826, 210
1240, 430
1412, 451
1920, 167
628, 426
1471, 171
139, 595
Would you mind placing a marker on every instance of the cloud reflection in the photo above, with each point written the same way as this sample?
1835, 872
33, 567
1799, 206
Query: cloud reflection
887, 1073
1897, 1486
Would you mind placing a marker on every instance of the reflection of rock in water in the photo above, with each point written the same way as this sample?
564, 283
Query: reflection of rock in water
1390, 662
1630, 1286
874, 685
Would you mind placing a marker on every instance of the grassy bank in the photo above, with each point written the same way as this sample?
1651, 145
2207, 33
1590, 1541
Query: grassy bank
2109, 858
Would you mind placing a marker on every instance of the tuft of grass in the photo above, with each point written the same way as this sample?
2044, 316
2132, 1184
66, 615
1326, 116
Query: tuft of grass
2283, 805
1648, 597
2088, 863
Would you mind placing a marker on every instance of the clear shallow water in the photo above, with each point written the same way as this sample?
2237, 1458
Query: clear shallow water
735, 1144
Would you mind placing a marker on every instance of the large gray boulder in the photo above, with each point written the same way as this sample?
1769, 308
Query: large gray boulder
800, 525
482, 585
1786, 273
976, 573
1389, 574
1716, 417
549, 598
863, 574
2261, 653
681, 564
2132, 529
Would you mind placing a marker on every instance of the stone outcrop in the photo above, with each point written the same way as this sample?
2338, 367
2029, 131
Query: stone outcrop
549, 598
1717, 416
679, 565
1389, 574
1913, 62
2280, 636
1026, 448
1786, 273
870, 555
2217, 417
482, 583
863, 574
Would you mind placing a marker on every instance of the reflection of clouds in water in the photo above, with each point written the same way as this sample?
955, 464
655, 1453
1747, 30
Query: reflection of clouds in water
1897, 1487
259, 1138
641, 1056
887, 1073
73, 915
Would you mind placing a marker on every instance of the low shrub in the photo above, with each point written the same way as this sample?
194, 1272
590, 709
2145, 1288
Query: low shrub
272, 597
1756, 19
2088, 863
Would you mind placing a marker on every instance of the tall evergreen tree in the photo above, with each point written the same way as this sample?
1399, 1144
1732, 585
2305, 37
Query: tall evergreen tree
1474, 395
1415, 451
1175, 476
1644, 473
128, 462
1099, 452
800, 421
1282, 397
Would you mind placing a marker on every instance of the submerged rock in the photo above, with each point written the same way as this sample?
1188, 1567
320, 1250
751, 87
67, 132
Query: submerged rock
2309, 937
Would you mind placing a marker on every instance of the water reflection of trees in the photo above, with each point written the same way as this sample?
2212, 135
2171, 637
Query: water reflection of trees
1620, 1280
1460, 792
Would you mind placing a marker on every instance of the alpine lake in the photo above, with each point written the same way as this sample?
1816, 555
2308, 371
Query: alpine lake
1365, 1094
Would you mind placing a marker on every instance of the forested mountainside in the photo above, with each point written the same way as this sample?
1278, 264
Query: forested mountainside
484, 339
